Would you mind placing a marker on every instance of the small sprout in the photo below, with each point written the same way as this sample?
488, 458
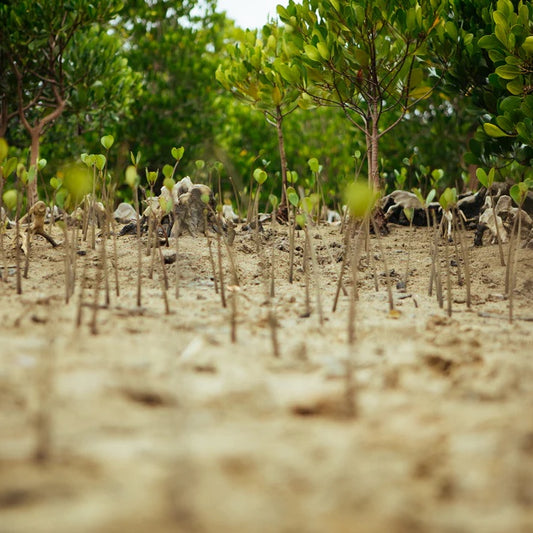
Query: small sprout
360, 199
518, 192
41, 163
292, 196
205, 198
166, 205
56, 183
177, 153
169, 182
132, 179
10, 199
78, 181
100, 161
301, 220
167, 171
107, 141
151, 176
260, 175
200, 164
274, 201
314, 165
135, 160
292, 176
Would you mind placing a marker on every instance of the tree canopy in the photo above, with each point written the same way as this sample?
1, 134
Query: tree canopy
452, 78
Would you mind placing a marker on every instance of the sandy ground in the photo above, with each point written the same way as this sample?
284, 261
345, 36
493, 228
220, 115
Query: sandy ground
158, 422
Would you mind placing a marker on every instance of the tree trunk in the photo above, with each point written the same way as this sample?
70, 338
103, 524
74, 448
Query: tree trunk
35, 134
283, 210
373, 150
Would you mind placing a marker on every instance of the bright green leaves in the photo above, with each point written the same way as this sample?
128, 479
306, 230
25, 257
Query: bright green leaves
132, 178
259, 70
360, 199
3, 149
494, 131
107, 141
260, 176
448, 198
510, 47
485, 179
177, 153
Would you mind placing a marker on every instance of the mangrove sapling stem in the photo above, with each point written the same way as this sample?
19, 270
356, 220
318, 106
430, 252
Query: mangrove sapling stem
409, 242
498, 237
352, 310
385, 264
273, 256
347, 235
67, 261
237, 195
466, 262
514, 268
139, 247
456, 249
221, 271
96, 294
104, 262
28, 252
115, 254
17, 239
233, 315
448, 277
316, 275
212, 262
177, 265
292, 227
164, 278
305, 265
79, 312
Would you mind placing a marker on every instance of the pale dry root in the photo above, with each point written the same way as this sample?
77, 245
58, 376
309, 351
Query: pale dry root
38, 212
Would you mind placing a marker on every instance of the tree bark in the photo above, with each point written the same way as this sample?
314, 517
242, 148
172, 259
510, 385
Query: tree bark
283, 210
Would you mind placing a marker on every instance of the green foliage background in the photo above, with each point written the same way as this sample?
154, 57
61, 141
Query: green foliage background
146, 75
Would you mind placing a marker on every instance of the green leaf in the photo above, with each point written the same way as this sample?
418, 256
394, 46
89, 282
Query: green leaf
511, 103
168, 182
518, 193
493, 131
527, 45
10, 166
131, 176
301, 220
312, 53
151, 176
273, 199
448, 198
488, 42
168, 170
292, 176
313, 164
508, 72
10, 199
41, 163
360, 199
260, 175
516, 86
292, 196
99, 161
107, 141
421, 93
199, 164
177, 153
482, 177
3, 149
